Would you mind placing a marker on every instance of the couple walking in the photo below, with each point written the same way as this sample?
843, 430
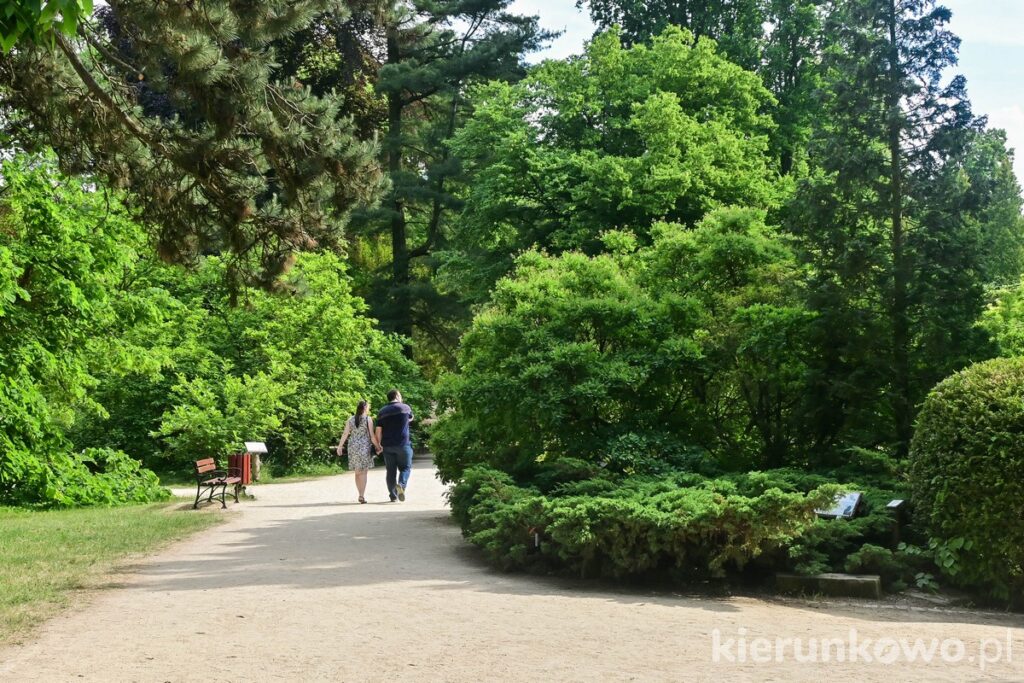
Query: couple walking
390, 437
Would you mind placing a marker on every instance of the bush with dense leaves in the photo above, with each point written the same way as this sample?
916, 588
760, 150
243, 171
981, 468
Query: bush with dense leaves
101, 476
213, 368
691, 528
967, 472
108, 357
594, 522
642, 360
64, 249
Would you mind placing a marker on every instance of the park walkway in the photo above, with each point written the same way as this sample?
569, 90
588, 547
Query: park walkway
303, 584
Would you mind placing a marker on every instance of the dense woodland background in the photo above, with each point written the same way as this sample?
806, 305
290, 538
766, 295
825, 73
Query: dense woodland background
731, 238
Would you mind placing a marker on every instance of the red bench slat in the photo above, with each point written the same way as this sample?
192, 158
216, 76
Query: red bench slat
204, 466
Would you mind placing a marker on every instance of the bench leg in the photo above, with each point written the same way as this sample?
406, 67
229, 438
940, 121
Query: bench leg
223, 495
237, 486
199, 491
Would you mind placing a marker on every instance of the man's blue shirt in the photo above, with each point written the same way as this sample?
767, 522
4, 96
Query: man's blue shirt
393, 420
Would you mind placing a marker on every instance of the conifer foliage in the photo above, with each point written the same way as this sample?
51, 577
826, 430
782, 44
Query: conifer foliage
181, 104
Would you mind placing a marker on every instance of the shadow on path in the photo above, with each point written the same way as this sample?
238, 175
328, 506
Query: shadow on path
382, 543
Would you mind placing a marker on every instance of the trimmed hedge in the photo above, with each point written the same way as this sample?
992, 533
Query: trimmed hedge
967, 475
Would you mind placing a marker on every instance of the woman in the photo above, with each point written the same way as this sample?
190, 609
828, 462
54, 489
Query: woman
360, 458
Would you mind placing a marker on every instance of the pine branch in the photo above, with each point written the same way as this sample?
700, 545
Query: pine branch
102, 49
92, 86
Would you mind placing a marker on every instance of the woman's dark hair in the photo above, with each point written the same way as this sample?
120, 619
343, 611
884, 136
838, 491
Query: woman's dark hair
360, 411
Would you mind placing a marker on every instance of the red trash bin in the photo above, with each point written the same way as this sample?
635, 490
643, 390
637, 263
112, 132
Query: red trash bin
243, 463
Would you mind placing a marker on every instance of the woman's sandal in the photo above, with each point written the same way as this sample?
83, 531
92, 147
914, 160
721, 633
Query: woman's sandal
361, 499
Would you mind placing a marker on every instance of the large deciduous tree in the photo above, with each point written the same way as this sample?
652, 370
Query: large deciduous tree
632, 357
619, 138
63, 248
184, 106
779, 39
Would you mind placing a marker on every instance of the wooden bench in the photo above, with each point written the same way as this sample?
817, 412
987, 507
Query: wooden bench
211, 478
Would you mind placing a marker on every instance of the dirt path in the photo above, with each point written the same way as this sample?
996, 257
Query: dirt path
304, 585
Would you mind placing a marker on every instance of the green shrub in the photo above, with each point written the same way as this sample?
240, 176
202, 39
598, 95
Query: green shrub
827, 545
640, 527
687, 525
872, 559
64, 251
94, 477
641, 362
556, 473
967, 474
477, 483
286, 368
652, 453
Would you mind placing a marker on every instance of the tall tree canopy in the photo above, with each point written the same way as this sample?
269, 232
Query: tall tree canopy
63, 250
737, 25
183, 105
405, 68
779, 39
434, 52
619, 138
887, 220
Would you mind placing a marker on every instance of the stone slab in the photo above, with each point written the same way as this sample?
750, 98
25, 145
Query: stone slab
834, 585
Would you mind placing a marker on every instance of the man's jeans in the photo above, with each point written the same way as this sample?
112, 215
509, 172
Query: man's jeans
398, 461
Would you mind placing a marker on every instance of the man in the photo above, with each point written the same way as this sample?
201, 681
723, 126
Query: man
393, 435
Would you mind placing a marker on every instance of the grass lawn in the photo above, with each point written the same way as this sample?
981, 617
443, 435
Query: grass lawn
46, 556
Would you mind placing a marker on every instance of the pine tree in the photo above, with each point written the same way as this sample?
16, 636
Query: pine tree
185, 107
343, 53
433, 52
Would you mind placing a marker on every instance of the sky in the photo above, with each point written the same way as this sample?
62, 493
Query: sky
991, 54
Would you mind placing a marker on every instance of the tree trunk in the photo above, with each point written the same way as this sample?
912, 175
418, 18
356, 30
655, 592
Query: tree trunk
901, 400
402, 317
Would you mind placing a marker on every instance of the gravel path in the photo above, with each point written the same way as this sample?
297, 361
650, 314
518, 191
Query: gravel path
303, 584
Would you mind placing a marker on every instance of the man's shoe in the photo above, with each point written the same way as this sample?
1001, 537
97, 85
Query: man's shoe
393, 499
401, 492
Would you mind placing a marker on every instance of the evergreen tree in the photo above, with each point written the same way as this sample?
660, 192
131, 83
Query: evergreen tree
185, 107
885, 153
968, 239
342, 53
433, 52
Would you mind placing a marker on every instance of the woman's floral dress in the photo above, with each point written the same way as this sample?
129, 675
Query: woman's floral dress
360, 448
